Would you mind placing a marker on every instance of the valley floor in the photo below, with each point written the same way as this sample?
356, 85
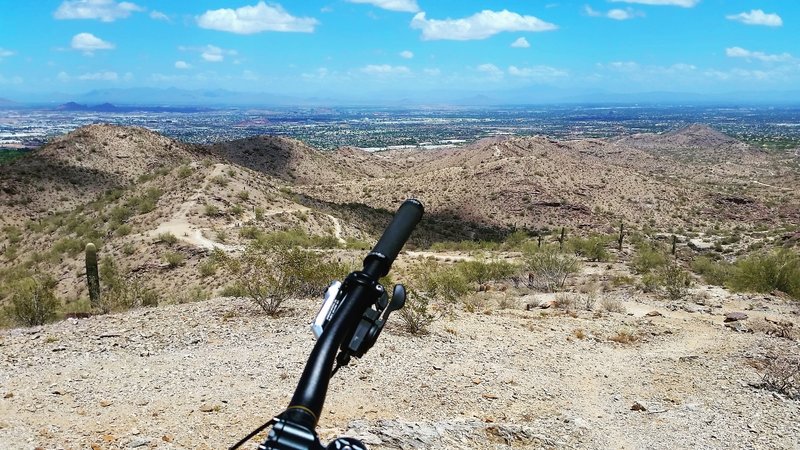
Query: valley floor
203, 375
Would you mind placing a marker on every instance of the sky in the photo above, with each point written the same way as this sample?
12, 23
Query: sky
352, 48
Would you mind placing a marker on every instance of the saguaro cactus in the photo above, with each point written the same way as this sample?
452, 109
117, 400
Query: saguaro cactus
92, 275
674, 243
561, 238
621, 235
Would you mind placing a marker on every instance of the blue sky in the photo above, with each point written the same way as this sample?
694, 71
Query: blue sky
358, 47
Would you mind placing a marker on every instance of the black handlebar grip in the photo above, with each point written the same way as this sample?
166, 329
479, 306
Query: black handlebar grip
397, 233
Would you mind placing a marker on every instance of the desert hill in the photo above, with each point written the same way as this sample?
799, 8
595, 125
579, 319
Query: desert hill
633, 367
125, 188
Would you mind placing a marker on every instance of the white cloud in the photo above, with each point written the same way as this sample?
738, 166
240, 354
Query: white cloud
89, 43
5, 53
99, 76
407, 54
320, 73
681, 3
158, 15
757, 17
182, 65
432, 72
616, 13
521, 43
13, 80
104, 10
392, 5
255, 19
210, 53
478, 26
63, 76
491, 70
385, 69
538, 72
738, 52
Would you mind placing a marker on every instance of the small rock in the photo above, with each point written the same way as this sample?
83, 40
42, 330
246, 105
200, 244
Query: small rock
490, 396
167, 438
638, 406
653, 313
206, 407
735, 316
105, 403
8, 395
737, 326
138, 442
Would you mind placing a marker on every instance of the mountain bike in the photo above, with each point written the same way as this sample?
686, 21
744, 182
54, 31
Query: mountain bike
351, 318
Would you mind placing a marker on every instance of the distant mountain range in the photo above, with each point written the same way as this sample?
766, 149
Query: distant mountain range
108, 107
135, 98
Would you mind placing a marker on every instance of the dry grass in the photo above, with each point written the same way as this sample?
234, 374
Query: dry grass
624, 336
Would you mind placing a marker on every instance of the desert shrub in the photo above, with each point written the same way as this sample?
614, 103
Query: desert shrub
357, 244
207, 268
167, 238
121, 291
464, 246
481, 271
128, 249
123, 230
237, 210
173, 259
233, 290
443, 284
564, 301
33, 300
593, 248
211, 210
221, 180
295, 238
250, 232
415, 316
13, 234
782, 374
766, 272
507, 302
243, 195
549, 268
624, 336
675, 281
260, 213
184, 171
271, 277
612, 305
648, 258
69, 246
192, 295
222, 235
713, 272
651, 282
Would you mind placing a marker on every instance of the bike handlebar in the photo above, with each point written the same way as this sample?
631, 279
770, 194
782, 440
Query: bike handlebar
395, 236
294, 428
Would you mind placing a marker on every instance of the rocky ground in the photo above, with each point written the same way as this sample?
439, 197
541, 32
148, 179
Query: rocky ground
203, 375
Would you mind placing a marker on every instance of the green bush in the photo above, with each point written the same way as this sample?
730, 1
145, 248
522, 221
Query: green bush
766, 272
295, 238
207, 268
675, 281
415, 316
481, 271
121, 291
593, 248
548, 268
173, 259
445, 284
271, 277
184, 171
713, 272
33, 300
167, 238
648, 258
211, 210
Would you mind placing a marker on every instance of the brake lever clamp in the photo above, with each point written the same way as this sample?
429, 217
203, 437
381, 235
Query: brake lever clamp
373, 320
